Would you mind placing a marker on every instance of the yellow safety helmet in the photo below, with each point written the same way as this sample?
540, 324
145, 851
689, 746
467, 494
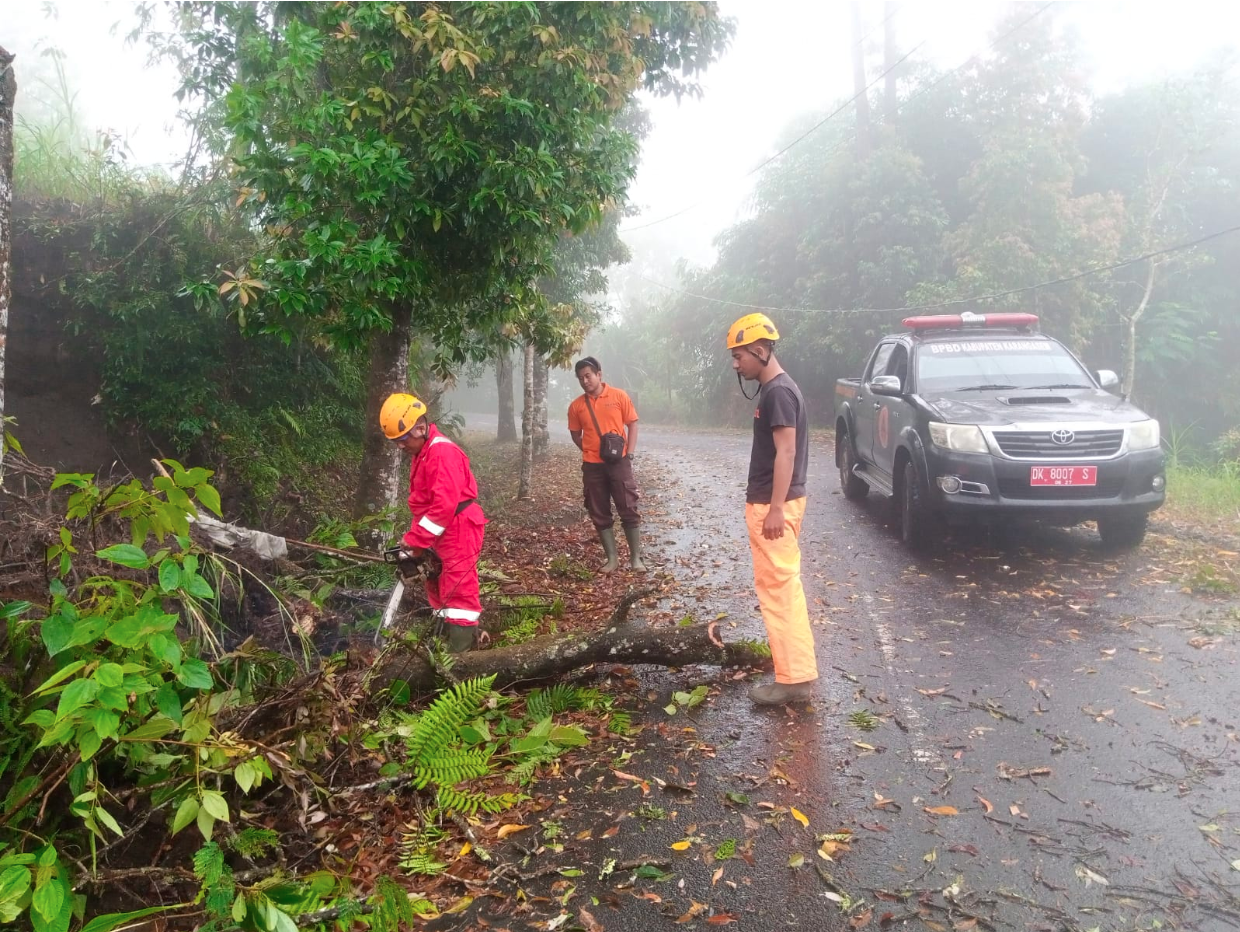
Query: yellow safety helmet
399, 413
750, 329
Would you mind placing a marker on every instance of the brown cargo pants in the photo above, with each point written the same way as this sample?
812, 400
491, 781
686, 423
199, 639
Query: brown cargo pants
604, 483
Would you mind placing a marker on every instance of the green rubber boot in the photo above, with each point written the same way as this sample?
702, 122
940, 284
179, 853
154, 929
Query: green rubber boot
634, 536
460, 637
608, 537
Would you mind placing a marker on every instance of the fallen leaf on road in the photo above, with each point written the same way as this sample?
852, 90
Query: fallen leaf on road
720, 919
964, 925
800, 816
796, 861
932, 856
681, 845
933, 692
882, 802
716, 876
1008, 772
861, 920
964, 849
612, 832
694, 911
588, 921
506, 830
1090, 877
986, 804
941, 810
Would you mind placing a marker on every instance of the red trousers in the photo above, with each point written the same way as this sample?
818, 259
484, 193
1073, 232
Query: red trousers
454, 594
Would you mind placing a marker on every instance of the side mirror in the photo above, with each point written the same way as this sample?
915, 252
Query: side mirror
1107, 378
886, 385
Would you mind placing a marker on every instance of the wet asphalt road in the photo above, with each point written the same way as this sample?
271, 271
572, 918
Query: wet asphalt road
1020, 651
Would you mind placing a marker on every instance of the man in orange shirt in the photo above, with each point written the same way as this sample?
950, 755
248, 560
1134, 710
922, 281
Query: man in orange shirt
603, 424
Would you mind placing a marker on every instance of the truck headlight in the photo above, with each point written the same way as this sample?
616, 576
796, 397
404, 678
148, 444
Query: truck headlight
1143, 435
963, 438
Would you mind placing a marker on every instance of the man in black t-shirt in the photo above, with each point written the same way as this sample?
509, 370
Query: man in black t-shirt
775, 507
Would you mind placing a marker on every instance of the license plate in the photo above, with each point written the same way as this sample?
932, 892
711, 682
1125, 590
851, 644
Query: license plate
1063, 475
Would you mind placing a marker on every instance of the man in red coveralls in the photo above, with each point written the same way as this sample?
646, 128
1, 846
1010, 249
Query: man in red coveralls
443, 499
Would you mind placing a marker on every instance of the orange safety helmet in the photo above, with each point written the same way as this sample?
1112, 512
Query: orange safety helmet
399, 413
750, 329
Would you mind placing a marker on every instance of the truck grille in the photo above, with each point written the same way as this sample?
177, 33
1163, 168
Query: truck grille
1039, 445
1018, 488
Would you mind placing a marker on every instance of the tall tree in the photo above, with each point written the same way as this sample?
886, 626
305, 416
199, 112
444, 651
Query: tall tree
414, 163
506, 432
859, 83
890, 94
8, 94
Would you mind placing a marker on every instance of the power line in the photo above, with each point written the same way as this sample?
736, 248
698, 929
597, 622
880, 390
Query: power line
992, 44
813, 129
955, 302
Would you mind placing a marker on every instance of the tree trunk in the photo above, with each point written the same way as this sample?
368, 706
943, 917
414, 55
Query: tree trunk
527, 425
556, 655
8, 92
1130, 344
507, 430
542, 437
889, 63
380, 484
863, 103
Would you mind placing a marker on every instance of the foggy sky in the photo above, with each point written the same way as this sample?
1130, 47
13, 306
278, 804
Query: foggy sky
787, 58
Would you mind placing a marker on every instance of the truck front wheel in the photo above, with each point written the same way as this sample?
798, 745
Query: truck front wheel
1123, 532
855, 488
915, 531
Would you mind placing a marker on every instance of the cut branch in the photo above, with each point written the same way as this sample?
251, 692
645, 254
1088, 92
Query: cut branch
551, 656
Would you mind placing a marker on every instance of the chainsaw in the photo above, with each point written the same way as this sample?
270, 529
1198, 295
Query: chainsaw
427, 565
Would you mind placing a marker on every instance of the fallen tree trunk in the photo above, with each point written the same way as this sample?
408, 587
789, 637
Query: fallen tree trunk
555, 655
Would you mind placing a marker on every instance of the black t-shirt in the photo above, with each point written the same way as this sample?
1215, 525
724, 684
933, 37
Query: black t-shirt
779, 405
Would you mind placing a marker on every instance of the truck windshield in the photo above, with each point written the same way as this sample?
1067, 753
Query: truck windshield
978, 365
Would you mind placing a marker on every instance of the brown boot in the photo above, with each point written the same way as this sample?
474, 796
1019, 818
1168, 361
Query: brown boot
782, 693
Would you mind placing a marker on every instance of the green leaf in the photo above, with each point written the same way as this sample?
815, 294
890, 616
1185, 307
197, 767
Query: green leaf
14, 609
209, 497
76, 694
125, 555
57, 633
134, 630
48, 898
195, 674
89, 744
214, 803
153, 730
168, 701
110, 674
106, 818
569, 736
106, 722
187, 812
109, 921
169, 576
14, 882
245, 775
206, 824
238, 908
196, 586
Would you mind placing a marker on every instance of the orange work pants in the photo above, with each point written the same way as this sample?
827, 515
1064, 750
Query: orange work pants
777, 577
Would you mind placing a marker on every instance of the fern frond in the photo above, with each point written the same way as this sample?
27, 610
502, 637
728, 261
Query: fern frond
619, 723
453, 765
525, 771
440, 725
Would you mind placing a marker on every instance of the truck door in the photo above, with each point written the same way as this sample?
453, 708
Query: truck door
890, 413
865, 411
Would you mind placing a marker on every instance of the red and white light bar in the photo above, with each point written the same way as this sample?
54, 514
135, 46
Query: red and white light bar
967, 319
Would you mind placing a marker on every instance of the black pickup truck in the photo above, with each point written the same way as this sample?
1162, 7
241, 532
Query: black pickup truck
974, 417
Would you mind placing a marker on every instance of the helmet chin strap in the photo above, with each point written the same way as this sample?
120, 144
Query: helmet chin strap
741, 383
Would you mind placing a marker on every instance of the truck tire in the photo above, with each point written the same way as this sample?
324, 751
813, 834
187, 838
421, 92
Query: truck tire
1123, 532
855, 488
915, 528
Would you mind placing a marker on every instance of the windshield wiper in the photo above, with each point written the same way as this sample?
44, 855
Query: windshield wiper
1061, 385
985, 388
